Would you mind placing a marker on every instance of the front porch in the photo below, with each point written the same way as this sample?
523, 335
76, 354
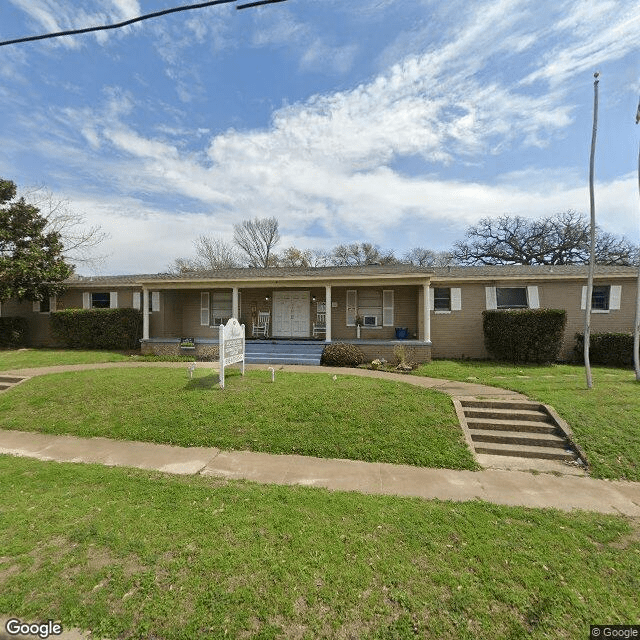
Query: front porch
279, 351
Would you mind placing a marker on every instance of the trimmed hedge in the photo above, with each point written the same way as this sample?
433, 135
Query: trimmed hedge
527, 335
613, 349
98, 328
13, 332
341, 354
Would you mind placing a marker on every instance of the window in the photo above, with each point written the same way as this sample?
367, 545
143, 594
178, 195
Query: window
600, 298
100, 300
45, 306
370, 306
442, 299
511, 297
221, 307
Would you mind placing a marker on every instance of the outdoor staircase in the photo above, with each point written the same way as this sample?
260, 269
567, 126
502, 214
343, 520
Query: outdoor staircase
283, 352
516, 428
6, 382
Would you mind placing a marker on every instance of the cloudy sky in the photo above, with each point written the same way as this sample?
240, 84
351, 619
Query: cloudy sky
398, 122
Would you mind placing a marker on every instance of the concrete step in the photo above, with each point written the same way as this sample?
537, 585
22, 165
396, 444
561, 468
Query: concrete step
507, 414
10, 379
502, 404
283, 352
517, 437
524, 426
521, 451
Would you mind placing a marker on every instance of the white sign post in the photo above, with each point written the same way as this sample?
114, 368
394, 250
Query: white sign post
231, 346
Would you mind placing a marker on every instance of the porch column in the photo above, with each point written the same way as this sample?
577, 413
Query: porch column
235, 312
426, 313
327, 309
145, 314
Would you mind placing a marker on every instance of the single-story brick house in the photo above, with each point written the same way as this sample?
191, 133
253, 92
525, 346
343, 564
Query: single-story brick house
440, 308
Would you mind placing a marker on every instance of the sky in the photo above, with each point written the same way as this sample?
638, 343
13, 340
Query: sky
397, 122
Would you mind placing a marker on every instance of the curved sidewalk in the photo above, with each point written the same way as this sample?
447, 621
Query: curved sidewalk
493, 485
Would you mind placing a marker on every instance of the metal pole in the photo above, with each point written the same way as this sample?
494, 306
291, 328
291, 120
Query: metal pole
592, 246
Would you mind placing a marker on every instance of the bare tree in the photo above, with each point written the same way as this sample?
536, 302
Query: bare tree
257, 239
360, 253
422, 257
294, 257
79, 240
212, 253
560, 239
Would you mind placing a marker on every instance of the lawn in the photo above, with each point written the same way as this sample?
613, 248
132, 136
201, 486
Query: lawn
605, 419
307, 414
27, 358
138, 555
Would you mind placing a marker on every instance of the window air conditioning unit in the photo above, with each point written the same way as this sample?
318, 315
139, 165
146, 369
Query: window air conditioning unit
370, 321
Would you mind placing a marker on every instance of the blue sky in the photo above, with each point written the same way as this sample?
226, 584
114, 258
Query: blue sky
394, 122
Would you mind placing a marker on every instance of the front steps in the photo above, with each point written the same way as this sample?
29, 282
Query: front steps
6, 382
517, 428
283, 352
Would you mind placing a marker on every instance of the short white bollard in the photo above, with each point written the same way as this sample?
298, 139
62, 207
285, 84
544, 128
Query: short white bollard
191, 368
273, 374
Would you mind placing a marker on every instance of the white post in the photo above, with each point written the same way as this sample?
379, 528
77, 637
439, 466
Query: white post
426, 287
145, 314
327, 310
235, 311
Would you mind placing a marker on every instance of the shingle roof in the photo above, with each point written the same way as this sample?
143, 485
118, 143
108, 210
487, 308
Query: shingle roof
437, 273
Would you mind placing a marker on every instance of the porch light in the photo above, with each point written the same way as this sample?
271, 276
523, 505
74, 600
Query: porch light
267, 298
313, 298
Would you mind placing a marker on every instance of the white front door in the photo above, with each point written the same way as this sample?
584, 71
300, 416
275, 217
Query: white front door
290, 314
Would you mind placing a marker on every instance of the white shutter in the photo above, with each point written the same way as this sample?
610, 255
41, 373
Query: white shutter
136, 300
534, 299
615, 294
52, 303
432, 295
36, 306
387, 308
155, 301
204, 308
456, 299
86, 300
352, 302
492, 301
113, 300
583, 300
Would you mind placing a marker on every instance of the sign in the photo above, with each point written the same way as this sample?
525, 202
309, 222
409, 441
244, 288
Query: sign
187, 343
231, 346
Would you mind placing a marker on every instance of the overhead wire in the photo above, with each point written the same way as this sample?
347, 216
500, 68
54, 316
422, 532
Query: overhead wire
124, 23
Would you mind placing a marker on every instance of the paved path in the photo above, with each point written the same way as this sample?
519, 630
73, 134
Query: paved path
493, 485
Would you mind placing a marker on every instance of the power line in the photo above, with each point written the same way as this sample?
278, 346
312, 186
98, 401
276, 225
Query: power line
125, 23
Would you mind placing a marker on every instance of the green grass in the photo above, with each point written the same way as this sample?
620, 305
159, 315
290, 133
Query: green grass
137, 555
29, 358
308, 414
605, 420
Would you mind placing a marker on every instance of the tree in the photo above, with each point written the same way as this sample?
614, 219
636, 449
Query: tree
360, 253
294, 257
560, 239
79, 240
32, 266
212, 253
257, 239
428, 258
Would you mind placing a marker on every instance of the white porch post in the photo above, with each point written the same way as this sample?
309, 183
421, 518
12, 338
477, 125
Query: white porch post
235, 312
426, 314
145, 314
327, 309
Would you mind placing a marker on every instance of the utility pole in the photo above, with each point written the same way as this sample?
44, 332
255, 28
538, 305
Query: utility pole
592, 246
636, 330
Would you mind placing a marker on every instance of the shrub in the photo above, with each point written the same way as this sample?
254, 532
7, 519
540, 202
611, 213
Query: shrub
341, 354
13, 332
528, 335
98, 328
613, 349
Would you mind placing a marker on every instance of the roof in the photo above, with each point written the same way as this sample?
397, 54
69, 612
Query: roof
437, 274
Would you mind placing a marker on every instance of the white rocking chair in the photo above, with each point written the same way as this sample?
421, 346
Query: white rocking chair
320, 325
261, 327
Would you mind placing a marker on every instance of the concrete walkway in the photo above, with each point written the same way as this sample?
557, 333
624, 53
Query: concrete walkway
493, 485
